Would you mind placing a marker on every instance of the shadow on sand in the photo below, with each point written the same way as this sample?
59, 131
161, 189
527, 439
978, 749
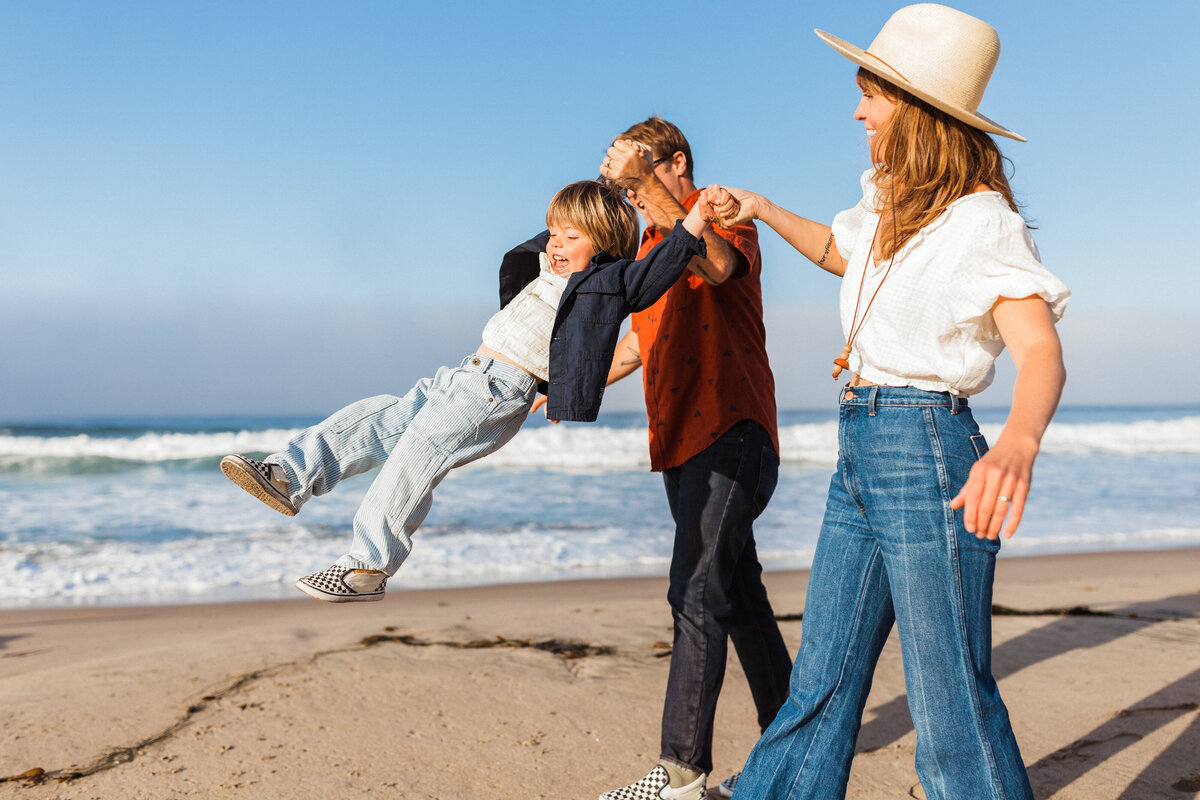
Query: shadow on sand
1159, 778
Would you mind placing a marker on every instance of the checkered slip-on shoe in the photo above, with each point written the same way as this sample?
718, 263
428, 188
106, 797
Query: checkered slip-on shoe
724, 790
344, 585
255, 478
657, 786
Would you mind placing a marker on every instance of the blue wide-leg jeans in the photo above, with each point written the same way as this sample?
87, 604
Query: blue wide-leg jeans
891, 550
460, 414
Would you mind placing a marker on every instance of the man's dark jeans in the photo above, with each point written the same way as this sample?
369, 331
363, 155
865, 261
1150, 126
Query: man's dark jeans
716, 590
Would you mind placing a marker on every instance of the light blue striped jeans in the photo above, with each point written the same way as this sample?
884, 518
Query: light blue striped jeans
461, 414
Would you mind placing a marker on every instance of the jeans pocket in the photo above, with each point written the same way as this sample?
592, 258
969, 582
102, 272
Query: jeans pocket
474, 394
768, 478
355, 413
504, 398
980, 444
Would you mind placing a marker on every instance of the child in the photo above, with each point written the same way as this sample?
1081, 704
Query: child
561, 329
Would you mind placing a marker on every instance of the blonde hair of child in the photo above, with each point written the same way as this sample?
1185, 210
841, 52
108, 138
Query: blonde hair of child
601, 213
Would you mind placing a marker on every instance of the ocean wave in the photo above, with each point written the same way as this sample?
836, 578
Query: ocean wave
264, 562
563, 447
86, 454
1178, 436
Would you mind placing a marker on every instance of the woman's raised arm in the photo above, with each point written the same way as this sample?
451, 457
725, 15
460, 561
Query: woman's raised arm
812, 239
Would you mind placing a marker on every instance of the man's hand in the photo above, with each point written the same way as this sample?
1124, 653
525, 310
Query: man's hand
630, 164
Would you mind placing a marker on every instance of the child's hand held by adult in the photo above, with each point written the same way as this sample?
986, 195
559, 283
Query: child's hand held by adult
705, 203
699, 217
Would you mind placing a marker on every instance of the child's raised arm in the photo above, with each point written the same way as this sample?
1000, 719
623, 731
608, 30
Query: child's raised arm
702, 213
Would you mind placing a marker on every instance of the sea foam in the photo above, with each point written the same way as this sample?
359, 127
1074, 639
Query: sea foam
573, 447
138, 511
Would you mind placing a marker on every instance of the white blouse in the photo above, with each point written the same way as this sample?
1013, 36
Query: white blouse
931, 324
521, 330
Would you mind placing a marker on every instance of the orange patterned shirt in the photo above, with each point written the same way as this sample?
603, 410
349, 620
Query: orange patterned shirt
704, 355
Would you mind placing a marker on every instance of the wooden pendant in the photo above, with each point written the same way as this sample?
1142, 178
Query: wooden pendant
840, 363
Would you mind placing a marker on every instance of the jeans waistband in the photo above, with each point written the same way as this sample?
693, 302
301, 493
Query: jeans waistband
874, 397
504, 371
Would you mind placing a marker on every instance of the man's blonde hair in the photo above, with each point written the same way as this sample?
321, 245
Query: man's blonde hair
662, 137
600, 212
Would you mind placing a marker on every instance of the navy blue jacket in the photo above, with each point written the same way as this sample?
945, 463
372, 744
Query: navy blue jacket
594, 303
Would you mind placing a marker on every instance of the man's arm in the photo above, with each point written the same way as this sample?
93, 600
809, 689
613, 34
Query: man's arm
626, 358
630, 164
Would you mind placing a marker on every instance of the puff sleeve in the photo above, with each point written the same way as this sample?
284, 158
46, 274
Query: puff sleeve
1000, 259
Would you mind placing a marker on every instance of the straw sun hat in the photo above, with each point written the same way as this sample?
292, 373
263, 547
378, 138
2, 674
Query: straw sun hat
941, 55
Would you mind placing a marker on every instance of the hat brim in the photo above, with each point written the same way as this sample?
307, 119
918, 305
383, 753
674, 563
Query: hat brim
877, 67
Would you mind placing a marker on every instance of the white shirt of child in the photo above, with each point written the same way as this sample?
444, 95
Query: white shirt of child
521, 330
931, 325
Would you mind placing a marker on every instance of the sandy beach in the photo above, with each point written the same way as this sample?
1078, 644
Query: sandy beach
555, 690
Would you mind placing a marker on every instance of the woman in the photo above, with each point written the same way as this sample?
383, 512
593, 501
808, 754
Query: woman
939, 275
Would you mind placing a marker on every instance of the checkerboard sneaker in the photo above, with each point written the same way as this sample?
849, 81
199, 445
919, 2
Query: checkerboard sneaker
256, 478
657, 786
725, 789
344, 585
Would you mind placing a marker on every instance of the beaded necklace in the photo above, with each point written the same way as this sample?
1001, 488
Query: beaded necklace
842, 362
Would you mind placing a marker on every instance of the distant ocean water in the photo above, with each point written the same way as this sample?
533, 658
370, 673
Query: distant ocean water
118, 511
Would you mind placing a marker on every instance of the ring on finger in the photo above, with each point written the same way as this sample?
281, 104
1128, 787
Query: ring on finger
1002, 498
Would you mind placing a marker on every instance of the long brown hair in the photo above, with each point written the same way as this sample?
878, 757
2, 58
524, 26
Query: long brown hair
928, 160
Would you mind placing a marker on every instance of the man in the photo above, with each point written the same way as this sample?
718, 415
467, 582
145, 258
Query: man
710, 400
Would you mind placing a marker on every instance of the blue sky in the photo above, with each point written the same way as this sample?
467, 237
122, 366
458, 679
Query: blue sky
256, 207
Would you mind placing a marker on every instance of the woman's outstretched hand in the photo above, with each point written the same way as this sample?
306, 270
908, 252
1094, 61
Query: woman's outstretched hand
733, 205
